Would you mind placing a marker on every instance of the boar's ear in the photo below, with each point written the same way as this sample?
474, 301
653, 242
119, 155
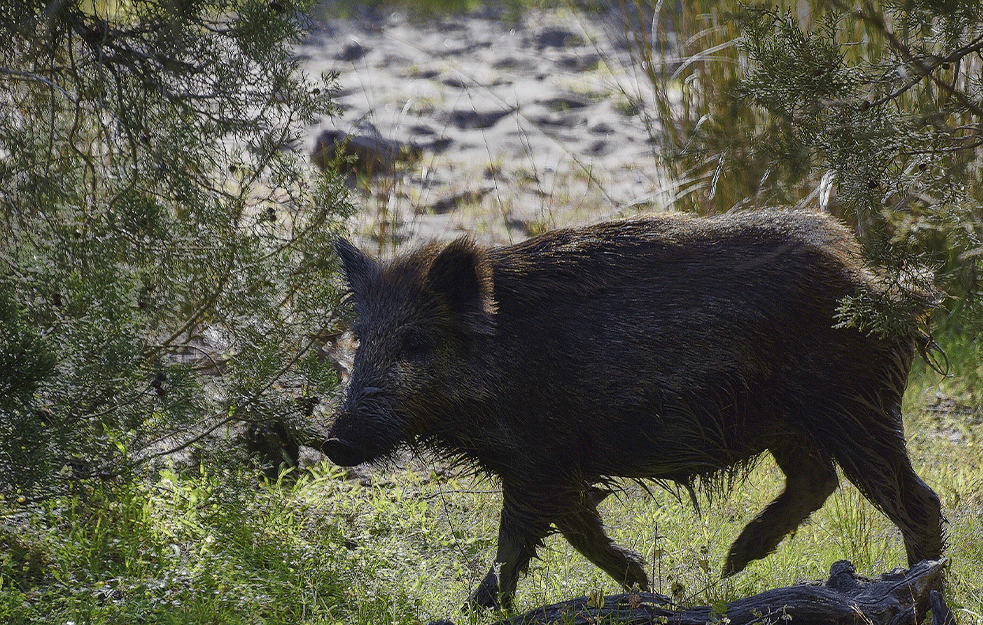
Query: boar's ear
461, 273
359, 268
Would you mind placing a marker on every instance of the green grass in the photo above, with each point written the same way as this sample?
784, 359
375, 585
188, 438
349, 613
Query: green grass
407, 546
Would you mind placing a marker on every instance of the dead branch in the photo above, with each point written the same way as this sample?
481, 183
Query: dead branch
896, 598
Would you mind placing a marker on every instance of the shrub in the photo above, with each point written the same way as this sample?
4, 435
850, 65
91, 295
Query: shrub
162, 247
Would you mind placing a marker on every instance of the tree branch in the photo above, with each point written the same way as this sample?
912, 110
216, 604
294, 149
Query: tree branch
30, 76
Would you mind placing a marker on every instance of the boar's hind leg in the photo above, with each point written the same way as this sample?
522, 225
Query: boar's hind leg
878, 465
810, 479
582, 527
518, 538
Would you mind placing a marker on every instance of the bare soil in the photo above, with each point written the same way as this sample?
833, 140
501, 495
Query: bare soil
524, 125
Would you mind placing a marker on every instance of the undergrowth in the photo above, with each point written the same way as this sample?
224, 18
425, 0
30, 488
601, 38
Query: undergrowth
408, 545
192, 548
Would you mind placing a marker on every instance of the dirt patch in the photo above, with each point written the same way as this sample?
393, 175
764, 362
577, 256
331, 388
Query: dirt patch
524, 126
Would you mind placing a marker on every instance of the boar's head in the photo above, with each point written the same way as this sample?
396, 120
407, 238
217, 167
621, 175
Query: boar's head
422, 321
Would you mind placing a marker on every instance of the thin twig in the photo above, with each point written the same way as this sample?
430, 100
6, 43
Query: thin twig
31, 76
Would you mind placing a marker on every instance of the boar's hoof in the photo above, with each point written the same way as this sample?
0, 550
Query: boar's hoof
342, 452
736, 562
485, 596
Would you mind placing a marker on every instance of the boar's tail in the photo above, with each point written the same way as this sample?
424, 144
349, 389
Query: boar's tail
931, 352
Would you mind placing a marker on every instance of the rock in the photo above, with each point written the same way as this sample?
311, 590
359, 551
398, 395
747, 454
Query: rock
580, 61
555, 37
448, 204
599, 148
566, 102
353, 51
360, 154
471, 119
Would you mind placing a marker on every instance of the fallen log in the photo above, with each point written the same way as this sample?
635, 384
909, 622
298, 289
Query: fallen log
896, 598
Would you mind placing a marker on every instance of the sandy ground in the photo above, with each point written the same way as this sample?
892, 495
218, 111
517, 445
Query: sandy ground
525, 126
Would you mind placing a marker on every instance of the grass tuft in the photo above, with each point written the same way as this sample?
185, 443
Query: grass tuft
408, 545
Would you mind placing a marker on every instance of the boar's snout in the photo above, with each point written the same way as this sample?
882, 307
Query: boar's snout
342, 453
365, 429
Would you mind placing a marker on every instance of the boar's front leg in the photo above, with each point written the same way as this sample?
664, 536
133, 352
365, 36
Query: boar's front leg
520, 532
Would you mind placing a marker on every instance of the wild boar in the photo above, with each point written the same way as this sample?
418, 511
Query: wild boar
670, 348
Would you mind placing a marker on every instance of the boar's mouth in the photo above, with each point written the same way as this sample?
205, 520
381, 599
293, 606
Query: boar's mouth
343, 453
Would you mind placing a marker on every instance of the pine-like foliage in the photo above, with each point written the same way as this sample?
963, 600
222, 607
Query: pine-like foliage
870, 109
164, 264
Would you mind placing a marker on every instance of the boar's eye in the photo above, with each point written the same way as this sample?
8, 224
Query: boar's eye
416, 346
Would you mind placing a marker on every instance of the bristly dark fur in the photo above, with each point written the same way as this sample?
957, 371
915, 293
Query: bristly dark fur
670, 350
